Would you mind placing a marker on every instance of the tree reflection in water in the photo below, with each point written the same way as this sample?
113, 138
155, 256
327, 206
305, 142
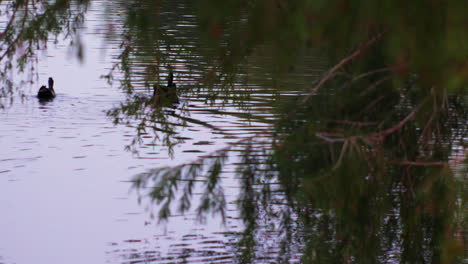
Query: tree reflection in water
363, 158
357, 190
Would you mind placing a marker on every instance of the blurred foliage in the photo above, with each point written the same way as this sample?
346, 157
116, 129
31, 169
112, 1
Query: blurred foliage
28, 26
363, 158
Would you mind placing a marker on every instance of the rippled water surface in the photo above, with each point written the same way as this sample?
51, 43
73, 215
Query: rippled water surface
64, 172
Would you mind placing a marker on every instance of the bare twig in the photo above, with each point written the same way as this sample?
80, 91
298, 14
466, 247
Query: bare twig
330, 137
372, 104
421, 163
361, 50
342, 153
374, 85
382, 134
355, 123
357, 78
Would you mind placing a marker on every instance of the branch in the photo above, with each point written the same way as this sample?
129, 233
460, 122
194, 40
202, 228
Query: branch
12, 44
421, 163
361, 50
10, 22
391, 130
354, 123
330, 137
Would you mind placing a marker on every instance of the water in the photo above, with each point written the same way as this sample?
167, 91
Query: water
64, 172
66, 194
65, 176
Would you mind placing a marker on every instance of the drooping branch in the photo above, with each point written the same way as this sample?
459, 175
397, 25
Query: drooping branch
10, 22
11, 46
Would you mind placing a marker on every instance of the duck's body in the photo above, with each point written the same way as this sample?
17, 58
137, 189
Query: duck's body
166, 94
47, 93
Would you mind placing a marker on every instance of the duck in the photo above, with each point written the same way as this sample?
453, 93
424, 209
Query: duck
166, 94
45, 93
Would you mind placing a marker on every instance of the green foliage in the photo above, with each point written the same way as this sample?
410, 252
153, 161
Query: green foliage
362, 154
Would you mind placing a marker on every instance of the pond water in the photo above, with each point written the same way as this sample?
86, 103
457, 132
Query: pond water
67, 173
65, 187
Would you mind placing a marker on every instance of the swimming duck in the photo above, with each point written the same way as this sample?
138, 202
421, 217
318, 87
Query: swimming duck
47, 93
166, 94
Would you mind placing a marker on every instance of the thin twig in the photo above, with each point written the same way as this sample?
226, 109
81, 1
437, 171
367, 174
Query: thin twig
330, 137
398, 126
420, 163
371, 104
342, 153
341, 64
357, 78
374, 85
354, 123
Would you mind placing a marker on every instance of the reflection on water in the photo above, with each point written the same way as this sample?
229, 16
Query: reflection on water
65, 174
243, 169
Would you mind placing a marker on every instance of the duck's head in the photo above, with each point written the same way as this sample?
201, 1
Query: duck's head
170, 79
51, 82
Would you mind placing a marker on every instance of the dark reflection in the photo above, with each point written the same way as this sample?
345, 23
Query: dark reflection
352, 191
369, 180
366, 109
45, 101
360, 164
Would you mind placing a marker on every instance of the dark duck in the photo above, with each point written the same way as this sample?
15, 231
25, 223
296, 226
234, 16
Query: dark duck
47, 93
166, 94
